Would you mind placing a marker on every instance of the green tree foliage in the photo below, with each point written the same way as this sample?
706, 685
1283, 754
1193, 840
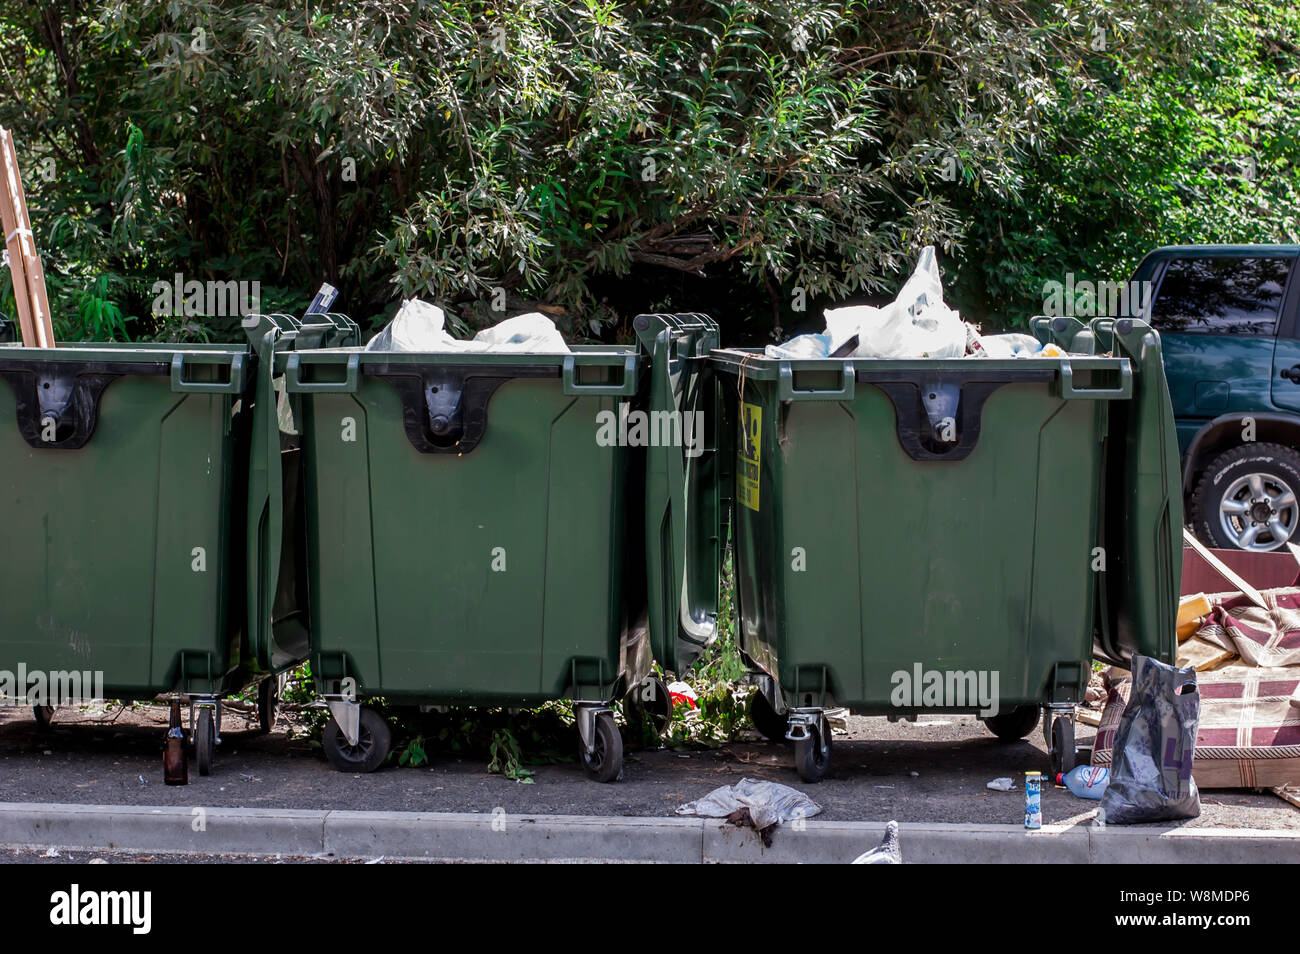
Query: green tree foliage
596, 159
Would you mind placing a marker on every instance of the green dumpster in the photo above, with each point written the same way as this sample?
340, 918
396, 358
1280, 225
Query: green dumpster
477, 527
124, 491
956, 535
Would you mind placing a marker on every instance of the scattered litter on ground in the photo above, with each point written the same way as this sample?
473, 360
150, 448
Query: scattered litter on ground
682, 694
1003, 784
1085, 781
838, 720
753, 803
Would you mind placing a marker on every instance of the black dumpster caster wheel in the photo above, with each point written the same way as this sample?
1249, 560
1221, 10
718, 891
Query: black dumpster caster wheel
648, 709
44, 716
373, 741
205, 741
1014, 725
812, 755
268, 700
769, 725
605, 762
659, 707
1062, 746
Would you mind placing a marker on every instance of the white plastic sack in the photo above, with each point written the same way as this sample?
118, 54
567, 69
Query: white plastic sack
916, 324
804, 346
1007, 346
417, 326
533, 333
420, 326
769, 803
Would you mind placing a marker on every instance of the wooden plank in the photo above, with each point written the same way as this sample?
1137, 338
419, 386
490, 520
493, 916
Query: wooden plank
17, 262
19, 234
1288, 793
1224, 570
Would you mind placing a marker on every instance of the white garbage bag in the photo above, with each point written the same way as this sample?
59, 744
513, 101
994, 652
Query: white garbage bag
768, 802
420, 326
916, 324
1006, 346
417, 326
534, 333
803, 346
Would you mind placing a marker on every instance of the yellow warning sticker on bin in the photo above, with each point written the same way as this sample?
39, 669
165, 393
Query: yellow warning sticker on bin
751, 426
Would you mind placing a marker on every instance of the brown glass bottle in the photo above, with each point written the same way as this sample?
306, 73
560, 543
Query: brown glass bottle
176, 769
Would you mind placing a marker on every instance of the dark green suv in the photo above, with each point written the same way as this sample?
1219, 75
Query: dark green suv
1227, 316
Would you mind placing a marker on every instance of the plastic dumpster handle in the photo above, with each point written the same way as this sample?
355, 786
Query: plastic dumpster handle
57, 402
786, 391
939, 414
235, 384
445, 406
1123, 392
293, 377
626, 388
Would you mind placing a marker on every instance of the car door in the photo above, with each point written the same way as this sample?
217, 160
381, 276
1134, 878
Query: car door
1286, 353
1218, 315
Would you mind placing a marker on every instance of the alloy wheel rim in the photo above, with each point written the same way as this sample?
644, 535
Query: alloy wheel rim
1259, 512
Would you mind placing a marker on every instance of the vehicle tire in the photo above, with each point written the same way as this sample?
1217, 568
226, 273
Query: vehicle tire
1062, 754
767, 721
1014, 725
605, 762
812, 756
268, 701
44, 716
1248, 498
205, 741
374, 739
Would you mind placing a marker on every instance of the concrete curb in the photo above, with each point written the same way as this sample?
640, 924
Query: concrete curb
500, 837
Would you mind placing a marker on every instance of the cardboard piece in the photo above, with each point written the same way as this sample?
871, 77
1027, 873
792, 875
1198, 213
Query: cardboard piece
1191, 610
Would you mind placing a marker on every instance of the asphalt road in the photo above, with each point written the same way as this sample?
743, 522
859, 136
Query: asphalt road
933, 770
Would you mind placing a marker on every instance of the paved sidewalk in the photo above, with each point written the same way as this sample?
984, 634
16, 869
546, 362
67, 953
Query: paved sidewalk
501, 837
933, 771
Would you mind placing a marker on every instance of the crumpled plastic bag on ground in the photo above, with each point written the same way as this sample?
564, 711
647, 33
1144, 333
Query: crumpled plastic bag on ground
916, 324
420, 326
769, 803
1151, 770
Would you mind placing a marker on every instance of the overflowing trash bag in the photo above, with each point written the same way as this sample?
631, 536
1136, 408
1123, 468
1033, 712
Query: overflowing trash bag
766, 803
420, 326
916, 324
1151, 770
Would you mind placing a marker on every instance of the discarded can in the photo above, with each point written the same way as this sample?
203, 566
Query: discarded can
1033, 799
